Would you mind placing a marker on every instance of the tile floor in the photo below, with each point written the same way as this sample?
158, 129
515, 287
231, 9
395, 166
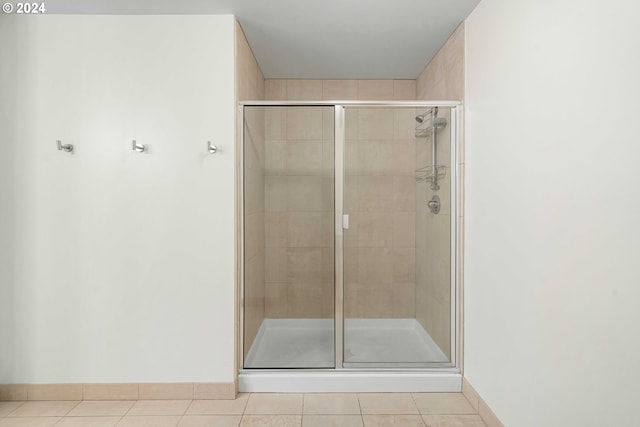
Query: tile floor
252, 410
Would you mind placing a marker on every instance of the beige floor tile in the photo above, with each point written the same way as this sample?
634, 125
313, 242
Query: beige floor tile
331, 403
159, 407
331, 421
219, 407
45, 408
274, 403
392, 420
88, 422
443, 403
453, 421
387, 403
29, 422
8, 407
101, 408
271, 421
149, 421
210, 421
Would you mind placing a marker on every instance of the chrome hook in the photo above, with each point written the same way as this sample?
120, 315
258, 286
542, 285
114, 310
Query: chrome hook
211, 149
140, 148
64, 147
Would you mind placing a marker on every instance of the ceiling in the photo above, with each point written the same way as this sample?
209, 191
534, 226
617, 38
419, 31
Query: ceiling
321, 39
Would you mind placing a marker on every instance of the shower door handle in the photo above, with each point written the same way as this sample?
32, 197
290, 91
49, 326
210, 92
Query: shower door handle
345, 222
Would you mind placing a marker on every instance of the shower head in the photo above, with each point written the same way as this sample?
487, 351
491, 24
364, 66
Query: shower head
432, 112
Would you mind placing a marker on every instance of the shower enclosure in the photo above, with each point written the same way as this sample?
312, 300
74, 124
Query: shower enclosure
349, 232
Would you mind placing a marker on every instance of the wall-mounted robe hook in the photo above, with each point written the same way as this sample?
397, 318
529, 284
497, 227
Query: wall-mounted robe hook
64, 147
211, 149
140, 148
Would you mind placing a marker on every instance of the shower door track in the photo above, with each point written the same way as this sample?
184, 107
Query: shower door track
354, 377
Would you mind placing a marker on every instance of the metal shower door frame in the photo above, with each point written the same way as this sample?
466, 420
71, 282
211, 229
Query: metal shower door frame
339, 177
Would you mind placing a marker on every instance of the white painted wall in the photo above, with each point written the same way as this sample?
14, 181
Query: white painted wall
123, 262
552, 278
8, 74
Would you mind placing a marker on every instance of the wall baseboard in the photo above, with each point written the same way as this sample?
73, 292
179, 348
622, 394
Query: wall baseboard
118, 391
485, 412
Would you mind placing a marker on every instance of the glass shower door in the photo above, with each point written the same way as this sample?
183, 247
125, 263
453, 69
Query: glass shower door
288, 156
397, 253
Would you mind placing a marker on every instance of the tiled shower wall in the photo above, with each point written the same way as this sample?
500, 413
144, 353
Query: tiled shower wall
250, 86
442, 78
379, 196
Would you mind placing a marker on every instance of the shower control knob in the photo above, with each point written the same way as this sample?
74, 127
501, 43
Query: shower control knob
434, 205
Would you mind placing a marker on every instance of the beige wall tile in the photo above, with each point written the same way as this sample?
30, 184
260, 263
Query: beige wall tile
276, 189
275, 123
328, 157
276, 300
304, 229
303, 123
54, 391
215, 390
332, 421
304, 90
276, 229
45, 409
304, 300
375, 157
404, 90
275, 157
339, 90
13, 392
375, 229
304, 157
271, 420
387, 403
404, 123
305, 194
404, 265
328, 229
219, 407
392, 420
274, 403
110, 391
165, 391
376, 90
351, 123
275, 89
403, 300
376, 194
304, 265
404, 194
159, 407
375, 123
275, 265
404, 230
375, 266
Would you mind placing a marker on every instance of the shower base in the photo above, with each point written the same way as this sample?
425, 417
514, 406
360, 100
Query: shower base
282, 344
308, 343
